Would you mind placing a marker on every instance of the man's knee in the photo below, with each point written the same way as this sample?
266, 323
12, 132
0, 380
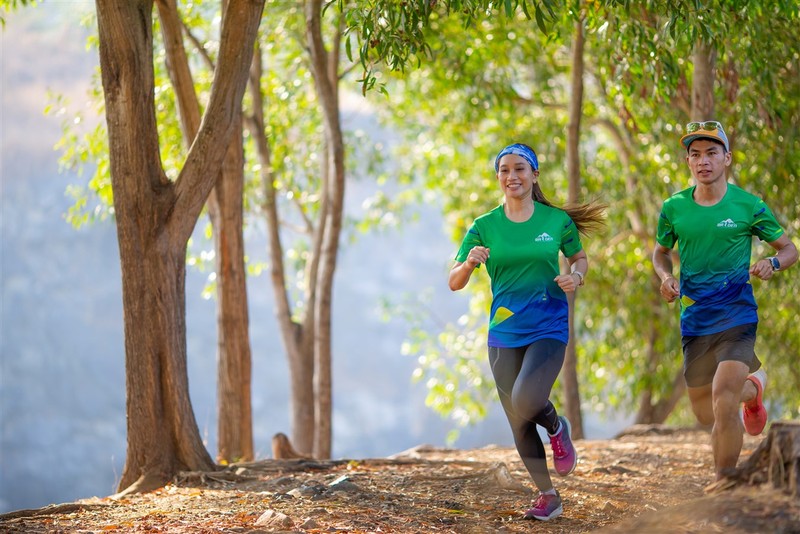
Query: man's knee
700, 399
726, 405
727, 390
703, 415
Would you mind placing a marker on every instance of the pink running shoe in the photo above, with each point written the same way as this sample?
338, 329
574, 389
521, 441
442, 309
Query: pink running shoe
564, 456
754, 414
545, 508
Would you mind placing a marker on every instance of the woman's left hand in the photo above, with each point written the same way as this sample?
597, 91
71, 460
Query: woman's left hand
567, 282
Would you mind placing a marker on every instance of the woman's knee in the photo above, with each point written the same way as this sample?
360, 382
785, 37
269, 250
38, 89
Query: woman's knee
526, 404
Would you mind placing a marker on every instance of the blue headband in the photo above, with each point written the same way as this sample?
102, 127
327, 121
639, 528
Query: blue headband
518, 149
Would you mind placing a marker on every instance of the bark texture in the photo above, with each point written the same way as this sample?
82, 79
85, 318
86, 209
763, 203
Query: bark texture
570, 371
225, 206
325, 67
155, 218
776, 462
703, 60
297, 332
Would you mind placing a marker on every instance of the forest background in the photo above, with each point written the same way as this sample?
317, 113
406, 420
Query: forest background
494, 79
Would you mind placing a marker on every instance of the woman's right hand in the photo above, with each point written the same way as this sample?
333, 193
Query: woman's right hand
476, 256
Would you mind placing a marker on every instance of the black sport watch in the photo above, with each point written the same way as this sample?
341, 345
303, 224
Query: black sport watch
775, 263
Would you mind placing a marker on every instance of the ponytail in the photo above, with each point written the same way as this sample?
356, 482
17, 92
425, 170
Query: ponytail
588, 218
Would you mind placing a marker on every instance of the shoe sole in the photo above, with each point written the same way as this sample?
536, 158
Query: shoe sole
555, 513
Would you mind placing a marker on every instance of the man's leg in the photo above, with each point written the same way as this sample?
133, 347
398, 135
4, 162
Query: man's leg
754, 414
726, 395
703, 409
749, 392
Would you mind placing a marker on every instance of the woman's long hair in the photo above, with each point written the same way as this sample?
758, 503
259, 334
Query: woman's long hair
588, 218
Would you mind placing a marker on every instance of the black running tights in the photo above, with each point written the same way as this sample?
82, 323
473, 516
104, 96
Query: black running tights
524, 378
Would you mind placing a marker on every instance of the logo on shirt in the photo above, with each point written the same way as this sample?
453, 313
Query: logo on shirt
727, 223
544, 236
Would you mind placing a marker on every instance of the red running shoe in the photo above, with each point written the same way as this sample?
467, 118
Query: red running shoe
754, 414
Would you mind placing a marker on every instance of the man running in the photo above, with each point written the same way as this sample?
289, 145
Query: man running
713, 223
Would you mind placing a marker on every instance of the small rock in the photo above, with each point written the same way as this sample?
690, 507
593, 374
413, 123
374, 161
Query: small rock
343, 484
271, 518
609, 507
309, 523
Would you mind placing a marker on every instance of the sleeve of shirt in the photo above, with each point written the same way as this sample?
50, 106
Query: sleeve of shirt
570, 238
472, 239
765, 226
665, 234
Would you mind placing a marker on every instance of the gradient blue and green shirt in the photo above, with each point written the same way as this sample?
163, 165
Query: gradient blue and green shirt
527, 305
714, 244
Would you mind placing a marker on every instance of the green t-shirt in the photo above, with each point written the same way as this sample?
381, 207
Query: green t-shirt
527, 305
714, 245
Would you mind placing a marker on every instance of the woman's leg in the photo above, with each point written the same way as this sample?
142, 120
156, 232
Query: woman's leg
524, 377
540, 368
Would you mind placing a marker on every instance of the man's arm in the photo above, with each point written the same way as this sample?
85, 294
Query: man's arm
662, 263
786, 253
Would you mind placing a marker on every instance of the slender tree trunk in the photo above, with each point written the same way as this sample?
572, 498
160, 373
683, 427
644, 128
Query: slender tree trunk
297, 334
226, 207
155, 218
648, 412
657, 412
570, 370
234, 420
703, 60
702, 108
325, 70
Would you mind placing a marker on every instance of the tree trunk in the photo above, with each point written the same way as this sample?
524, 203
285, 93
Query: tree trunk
234, 420
226, 207
775, 461
325, 68
570, 371
702, 107
703, 60
155, 218
297, 334
648, 412
656, 413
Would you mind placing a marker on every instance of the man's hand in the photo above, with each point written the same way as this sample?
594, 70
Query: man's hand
670, 289
762, 269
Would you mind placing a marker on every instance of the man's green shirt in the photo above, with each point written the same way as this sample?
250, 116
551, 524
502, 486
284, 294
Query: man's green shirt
714, 244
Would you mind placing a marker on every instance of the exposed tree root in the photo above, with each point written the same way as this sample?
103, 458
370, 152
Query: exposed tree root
147, 482
282, 449
51, 509
776, 460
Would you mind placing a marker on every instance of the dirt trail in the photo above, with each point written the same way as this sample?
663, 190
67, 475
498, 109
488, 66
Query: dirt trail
651, 482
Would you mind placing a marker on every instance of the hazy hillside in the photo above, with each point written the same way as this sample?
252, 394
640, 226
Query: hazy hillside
62, 389
62, 383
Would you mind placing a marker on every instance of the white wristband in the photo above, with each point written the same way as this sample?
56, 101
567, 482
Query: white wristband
580, 275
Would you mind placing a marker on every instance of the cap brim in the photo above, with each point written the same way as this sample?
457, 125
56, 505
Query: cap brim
688, 139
